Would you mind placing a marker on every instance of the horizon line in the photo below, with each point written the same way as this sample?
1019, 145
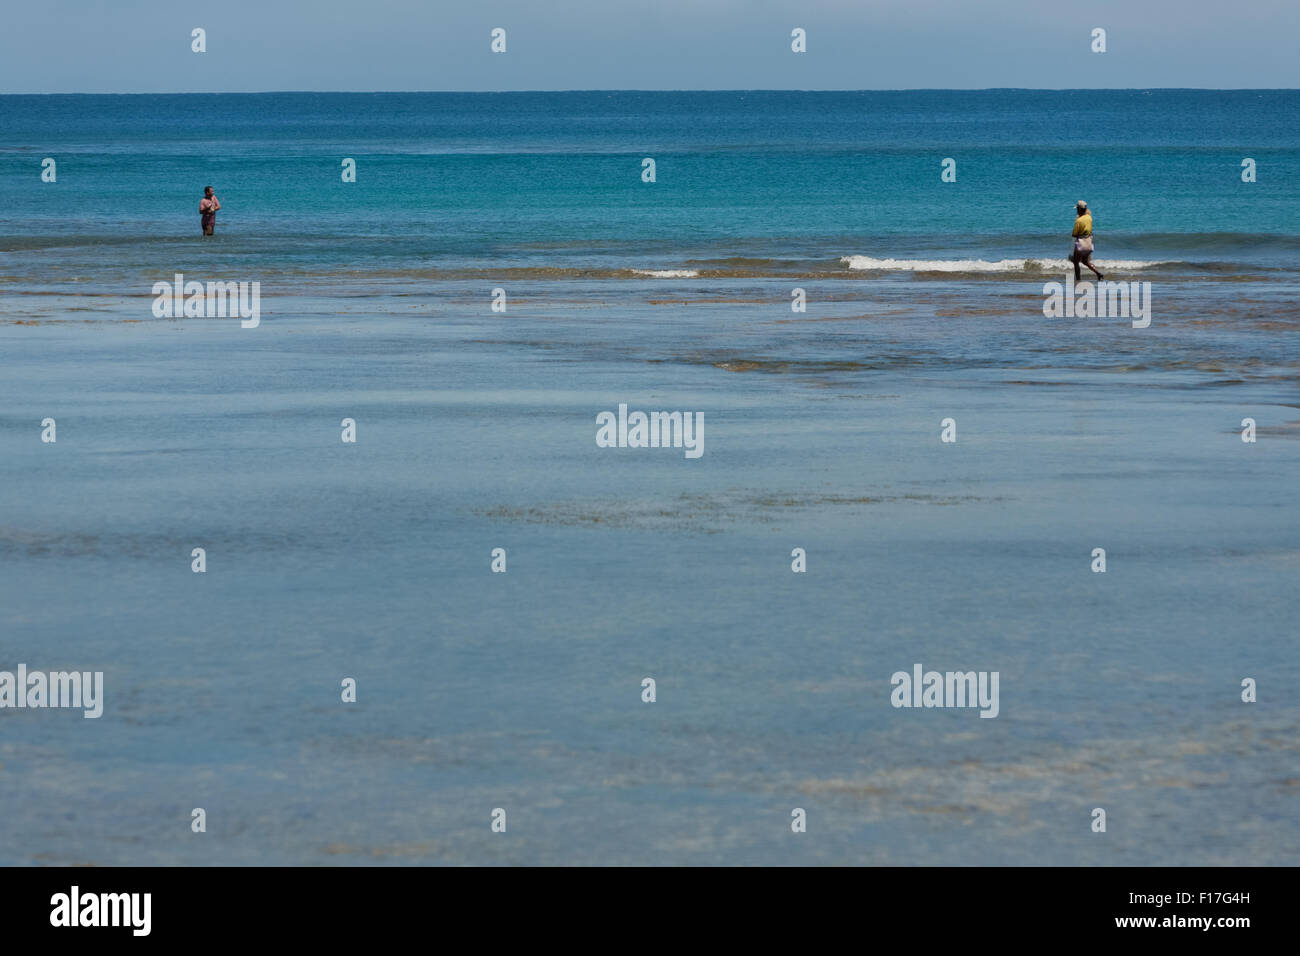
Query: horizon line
918, 89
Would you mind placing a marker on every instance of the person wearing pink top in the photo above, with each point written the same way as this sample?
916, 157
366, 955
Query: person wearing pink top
208, 207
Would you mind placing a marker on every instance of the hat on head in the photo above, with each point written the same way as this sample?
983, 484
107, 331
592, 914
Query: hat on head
1081, 204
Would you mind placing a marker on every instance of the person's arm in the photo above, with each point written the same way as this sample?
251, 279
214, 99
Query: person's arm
216, 203
1078, 228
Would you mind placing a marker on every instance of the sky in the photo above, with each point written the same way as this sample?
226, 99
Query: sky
144, 46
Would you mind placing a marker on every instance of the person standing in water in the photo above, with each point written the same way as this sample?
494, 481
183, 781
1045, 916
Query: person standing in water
1083, 240
209, 205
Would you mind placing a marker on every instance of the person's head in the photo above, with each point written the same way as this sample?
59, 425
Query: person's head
207, 192
1080, 208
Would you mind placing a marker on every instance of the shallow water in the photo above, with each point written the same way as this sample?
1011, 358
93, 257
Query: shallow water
479, 690
476, 430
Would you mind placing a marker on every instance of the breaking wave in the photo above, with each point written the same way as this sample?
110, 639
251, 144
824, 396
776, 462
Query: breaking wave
867, 263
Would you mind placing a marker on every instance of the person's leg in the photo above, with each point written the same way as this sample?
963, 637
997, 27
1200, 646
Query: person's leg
207, 230
1088, 262
1074, 257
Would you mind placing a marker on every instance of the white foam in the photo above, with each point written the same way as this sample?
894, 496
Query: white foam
668, 273
981, 265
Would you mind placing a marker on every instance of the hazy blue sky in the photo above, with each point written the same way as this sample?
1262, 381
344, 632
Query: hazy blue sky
144, 45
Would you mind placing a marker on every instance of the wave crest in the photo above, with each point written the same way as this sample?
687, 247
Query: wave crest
868, 263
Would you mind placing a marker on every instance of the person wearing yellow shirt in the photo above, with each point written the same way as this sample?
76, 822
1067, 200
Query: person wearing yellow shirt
1082, 253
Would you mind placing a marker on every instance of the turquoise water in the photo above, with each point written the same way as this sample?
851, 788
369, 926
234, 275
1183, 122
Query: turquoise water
476, 430
553, 180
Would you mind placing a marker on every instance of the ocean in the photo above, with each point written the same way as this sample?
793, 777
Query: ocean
476, 429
